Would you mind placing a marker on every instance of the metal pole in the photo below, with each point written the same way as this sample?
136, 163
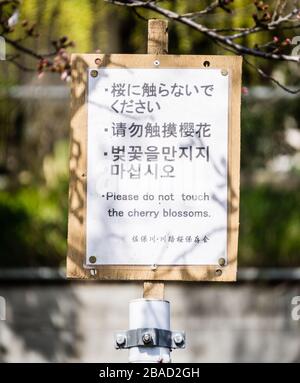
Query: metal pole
149, 313
149, 338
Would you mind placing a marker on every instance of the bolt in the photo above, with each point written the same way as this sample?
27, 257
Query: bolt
178, 338
153, 267
147, 338
94, 73
93, 259
222, 262
218, 273
120, 339
224, 72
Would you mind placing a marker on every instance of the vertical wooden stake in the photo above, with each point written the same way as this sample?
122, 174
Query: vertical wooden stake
158, 45
157, 37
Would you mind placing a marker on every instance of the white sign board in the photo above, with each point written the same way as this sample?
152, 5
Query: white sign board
157, 156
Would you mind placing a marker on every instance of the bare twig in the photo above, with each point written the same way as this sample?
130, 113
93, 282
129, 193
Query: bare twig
23, 49
262, 73
270, 26
22, 67
269, 77
131, 3
208, 9
139, 15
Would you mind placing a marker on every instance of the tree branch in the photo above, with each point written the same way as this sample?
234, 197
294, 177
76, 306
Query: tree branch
210, 8
264, 74
23, 49
269, 77
270, 26
214, 36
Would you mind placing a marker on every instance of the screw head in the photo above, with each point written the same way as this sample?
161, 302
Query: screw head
178, 338
156, 63
154, 267
98, 61
120, 339
147, 338
94, 73
92, 259
222, 261
218, 273
224, 72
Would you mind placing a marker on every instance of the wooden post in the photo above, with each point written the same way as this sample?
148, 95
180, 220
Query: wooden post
157, 37
158, 45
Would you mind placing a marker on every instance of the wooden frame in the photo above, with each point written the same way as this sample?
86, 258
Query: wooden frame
78, 170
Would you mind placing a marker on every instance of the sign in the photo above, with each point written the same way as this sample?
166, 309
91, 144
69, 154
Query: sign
157, 147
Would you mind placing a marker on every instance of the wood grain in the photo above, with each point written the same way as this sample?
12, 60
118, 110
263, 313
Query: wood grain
157, 36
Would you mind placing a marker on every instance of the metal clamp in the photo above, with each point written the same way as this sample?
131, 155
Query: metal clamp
149, 337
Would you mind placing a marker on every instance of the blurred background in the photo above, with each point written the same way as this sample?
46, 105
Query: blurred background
50, 319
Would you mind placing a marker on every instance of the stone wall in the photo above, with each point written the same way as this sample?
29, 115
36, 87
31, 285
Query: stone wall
75, 322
